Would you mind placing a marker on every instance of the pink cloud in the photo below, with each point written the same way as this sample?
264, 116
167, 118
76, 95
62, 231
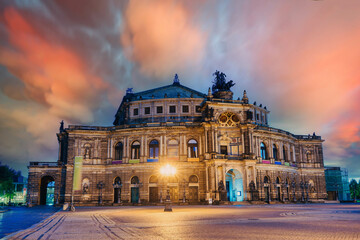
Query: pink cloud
159, 36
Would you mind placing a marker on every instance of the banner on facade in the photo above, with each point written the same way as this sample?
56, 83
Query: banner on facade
77, 173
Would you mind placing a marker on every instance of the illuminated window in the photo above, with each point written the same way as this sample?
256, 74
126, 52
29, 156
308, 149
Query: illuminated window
135, 150
263, 151
154, 149
192, 149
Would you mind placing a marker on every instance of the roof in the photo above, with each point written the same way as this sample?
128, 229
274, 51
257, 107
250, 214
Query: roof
175, 90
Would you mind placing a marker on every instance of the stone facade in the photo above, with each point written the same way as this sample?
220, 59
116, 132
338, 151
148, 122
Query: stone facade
223, 149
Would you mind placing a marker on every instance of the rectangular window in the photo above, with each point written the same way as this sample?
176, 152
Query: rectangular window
147, 110
223, 150
136, 111
198, 109
172, 109
185, 109
159, 109
257, 117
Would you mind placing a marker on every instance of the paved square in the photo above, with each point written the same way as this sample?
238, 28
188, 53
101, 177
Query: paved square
310, 221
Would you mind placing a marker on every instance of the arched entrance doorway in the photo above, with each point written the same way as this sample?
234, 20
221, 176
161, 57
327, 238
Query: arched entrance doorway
234, 186
153, 189
135, 192
47, 190
117, 190
193, 188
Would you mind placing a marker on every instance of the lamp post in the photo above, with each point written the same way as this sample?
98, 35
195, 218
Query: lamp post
168, 171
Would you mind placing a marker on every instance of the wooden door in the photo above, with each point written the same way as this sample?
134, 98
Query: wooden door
193, 194
134, 194
153, 192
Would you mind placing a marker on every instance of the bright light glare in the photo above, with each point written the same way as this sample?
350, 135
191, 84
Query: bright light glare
168, 170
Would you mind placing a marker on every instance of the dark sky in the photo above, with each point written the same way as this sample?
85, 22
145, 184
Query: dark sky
73, 61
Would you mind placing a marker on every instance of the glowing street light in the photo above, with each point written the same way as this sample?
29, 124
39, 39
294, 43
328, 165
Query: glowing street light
168, 171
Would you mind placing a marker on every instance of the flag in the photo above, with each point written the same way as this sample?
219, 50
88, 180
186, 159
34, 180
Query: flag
77, 173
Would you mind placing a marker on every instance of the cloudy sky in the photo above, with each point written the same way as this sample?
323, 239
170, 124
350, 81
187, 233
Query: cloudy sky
73, 60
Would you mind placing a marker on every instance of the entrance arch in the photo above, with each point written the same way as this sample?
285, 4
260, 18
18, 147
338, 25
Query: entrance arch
135, 192
47, 190
234, 186
117, 190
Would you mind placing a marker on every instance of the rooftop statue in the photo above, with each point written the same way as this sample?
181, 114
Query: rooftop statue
220, 83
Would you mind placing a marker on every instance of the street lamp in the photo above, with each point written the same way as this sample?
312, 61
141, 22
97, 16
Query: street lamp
168, 171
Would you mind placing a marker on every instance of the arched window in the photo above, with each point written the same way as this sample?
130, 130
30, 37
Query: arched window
285, 154
173, 148
193, 179
153, 179
154, 149
117, 181
119, 149
135, 180
192, 149
275, 152
135, 150
277, 180
263, 151
266, 179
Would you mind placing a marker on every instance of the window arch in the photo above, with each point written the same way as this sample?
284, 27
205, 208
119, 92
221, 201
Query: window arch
275, 152
193, 179
135, 180
192, 148
119, 151
153, 179
263, 152
135, 150
154, 149
285, 154
266, 179
117, 181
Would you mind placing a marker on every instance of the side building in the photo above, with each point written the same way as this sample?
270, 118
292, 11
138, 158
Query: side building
222, 149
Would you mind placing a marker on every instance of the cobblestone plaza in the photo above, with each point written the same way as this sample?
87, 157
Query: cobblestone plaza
300, 221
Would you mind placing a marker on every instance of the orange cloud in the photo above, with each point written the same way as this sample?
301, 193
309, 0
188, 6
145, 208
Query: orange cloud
53, 75
159, 36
